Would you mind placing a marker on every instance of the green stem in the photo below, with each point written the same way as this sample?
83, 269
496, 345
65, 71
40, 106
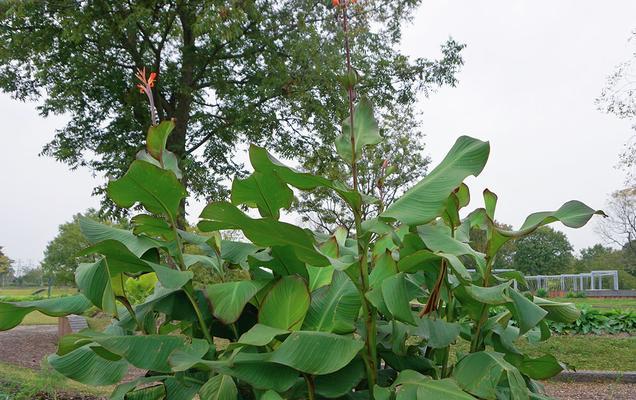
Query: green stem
476, 343
311, 386
188, 289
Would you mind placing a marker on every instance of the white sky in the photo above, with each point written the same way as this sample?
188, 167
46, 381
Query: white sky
532, 71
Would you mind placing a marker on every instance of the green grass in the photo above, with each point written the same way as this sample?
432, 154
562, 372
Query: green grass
601, 303
23, 383
27, 291
37, 318
583, 352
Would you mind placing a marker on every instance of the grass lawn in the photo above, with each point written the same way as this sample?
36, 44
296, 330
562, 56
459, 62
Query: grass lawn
601, 303
27, 291
23, 383
583, 352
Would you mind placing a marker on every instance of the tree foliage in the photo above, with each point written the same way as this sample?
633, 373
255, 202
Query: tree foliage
6, 268
546, 252
228, 73
61, 253
599, 258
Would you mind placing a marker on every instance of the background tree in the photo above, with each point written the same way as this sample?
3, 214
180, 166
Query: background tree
228, 72
545, 251
599, 258
618, 97
377, 174
620, 227
5, 267
60, 256
478, 241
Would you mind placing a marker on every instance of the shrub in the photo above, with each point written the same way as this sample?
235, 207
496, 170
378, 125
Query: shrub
542, 292
598, 322
576, 295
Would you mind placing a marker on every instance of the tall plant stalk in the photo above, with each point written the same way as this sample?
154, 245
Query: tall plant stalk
367, 308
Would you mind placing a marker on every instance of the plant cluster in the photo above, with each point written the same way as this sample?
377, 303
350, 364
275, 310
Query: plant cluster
366, 313
598, 322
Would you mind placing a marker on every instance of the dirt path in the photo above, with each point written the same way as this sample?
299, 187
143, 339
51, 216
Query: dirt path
591, 391
26, 346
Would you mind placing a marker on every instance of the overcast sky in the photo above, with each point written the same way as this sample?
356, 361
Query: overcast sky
532, 71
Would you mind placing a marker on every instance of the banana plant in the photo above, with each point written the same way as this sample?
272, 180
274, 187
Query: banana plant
378, 312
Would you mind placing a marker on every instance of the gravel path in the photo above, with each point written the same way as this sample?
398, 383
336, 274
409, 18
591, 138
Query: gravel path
26, 346
591, 391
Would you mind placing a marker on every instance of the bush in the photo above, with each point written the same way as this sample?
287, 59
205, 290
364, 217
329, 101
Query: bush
576, 295
542, 292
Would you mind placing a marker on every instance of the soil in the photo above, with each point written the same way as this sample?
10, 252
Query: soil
26, 346
591, 391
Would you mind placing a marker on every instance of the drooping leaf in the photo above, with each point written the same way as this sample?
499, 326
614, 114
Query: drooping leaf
490, 295
151, 226
11, 314
263, 190
481, 373
437, 332
306, 351
558, 312
427, 199
96, 232
219, 387
157, 190
286, 304
439, 239
527, 314
263, 232
365, 132
123, 389
95, 282
85, 366
540, 368
228, 299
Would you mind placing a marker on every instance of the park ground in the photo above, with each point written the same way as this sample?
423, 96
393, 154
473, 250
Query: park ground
25, 375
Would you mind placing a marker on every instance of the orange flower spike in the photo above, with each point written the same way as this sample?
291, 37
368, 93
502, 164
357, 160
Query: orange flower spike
335, 3
151, 79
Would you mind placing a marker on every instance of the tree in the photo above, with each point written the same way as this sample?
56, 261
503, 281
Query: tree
599, 258
5, 266
545, 252
227, 73
378, 175
618, 97
60, 256
619, 228
505, 255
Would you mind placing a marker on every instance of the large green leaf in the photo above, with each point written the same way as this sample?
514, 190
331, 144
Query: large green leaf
490, 295
341, 382
334, 306
396, 297
261, 335
85, 366
558, 312
286, 304
526, 313
263, 232
11, 314
481, 373
316, 353
441, 389
427, 199
228, 299
365, 132
540, 368
96, 232
219, 387
157, 138
123, 389
157, 190
95, 282
439, 239
262, 161
263, 190
437, 332
149, 352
